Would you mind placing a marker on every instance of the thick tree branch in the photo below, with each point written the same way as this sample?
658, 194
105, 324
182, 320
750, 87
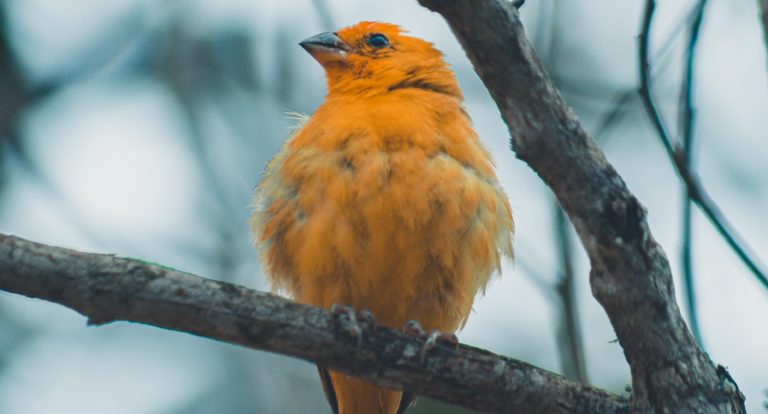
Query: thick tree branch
106, 288
630, 274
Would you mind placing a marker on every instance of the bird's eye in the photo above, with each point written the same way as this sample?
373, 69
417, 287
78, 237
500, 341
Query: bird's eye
378, 40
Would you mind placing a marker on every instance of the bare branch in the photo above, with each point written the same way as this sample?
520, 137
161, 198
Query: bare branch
569, 331
622, 99
697, 193
630, 274
106, 288
686, 125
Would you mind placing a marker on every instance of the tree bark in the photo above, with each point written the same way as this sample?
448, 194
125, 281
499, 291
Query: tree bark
106, 288
630, 274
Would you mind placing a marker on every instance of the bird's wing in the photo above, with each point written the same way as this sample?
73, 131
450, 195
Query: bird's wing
405, 402
330, 393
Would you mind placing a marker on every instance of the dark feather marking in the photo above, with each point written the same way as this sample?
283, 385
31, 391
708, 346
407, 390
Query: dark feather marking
421, 84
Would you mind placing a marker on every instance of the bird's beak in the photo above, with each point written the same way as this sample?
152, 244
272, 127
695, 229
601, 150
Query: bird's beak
326, 47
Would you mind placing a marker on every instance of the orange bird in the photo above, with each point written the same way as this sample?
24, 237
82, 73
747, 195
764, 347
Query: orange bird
384, 199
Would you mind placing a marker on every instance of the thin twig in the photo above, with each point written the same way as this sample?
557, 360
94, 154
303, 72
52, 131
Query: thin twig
615, 114
569, 333
697, 193
686, 126
621, 99
533, 273
562, 292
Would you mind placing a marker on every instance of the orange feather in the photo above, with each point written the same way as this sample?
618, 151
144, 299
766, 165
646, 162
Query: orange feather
384, 199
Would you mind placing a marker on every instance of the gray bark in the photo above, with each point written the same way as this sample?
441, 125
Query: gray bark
630, 274
106, 288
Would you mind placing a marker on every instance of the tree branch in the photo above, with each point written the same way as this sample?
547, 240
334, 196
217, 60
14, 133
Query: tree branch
569, 331
622, 99
677, 155
106, 288
686, 131
630, 274
763, 5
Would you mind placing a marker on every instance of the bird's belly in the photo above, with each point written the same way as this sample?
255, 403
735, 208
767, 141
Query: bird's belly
403, 234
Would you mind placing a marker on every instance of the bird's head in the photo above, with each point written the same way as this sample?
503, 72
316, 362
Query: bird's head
374, 57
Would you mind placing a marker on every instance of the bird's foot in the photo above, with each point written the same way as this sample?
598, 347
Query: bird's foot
366, 318
414, 328
429, 344
448, 338
348, 320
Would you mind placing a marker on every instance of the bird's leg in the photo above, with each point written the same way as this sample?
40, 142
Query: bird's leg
414, 328
348, 320
367, 319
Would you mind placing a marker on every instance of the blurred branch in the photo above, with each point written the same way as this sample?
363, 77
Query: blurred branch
116, 40
200, 73
622, 99
176, 51
696, 191
534, 275
562, 292
324, 14
569, 332
15, 95
121, 36
630, 274
615, 114
106, 288
686, 124
765, 404
18, 94
763, 5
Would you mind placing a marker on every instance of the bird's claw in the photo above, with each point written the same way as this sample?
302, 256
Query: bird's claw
429, 344
367, 319
348, 320
449, 338
436, 336
414, 328
433, 338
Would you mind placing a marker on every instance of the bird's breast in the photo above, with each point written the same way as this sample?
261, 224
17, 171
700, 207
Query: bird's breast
406, 220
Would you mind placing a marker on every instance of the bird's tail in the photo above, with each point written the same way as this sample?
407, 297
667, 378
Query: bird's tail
349, 395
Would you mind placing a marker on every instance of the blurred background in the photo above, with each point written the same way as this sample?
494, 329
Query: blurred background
140, 127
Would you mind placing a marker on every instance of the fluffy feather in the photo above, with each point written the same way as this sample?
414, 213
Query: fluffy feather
384, 199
